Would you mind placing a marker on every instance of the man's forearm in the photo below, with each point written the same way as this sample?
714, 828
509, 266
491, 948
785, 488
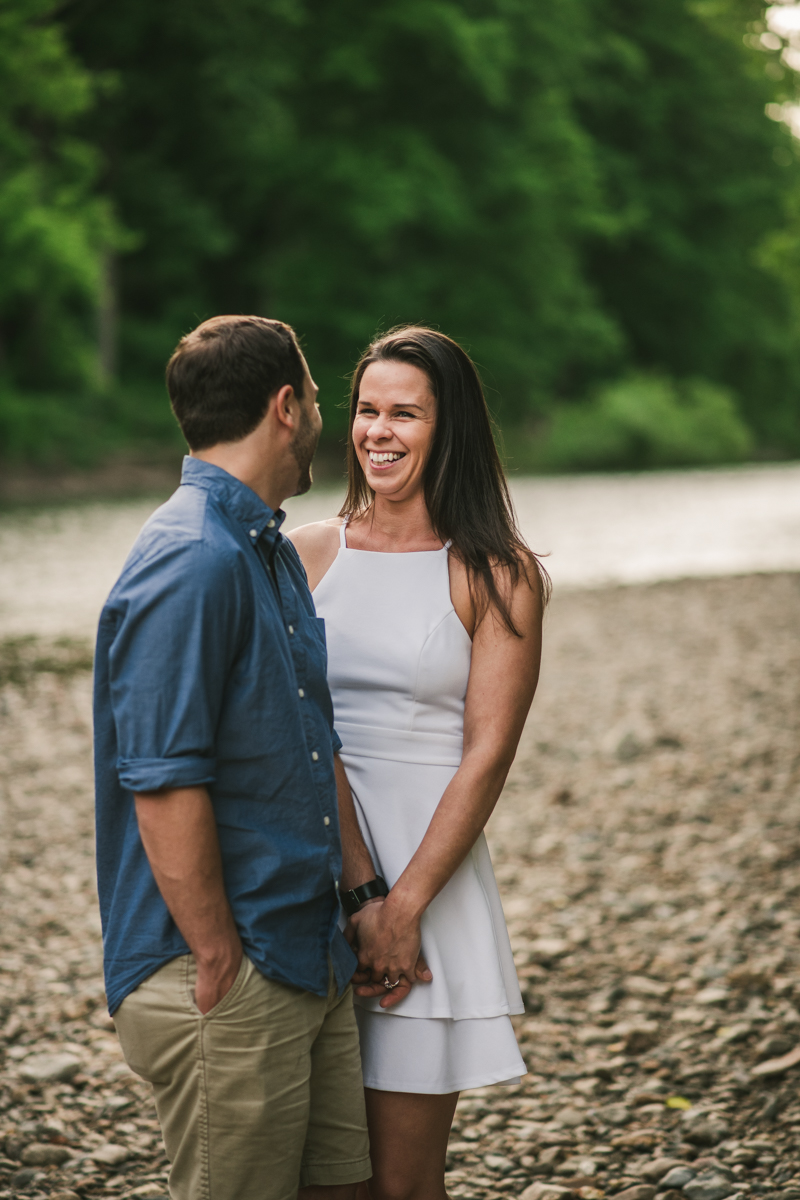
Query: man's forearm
179, 834
357, 864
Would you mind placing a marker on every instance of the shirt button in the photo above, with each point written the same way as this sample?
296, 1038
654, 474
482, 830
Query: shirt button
291, 629
326, 820
271, 524
314, 756
253, 533
300, 693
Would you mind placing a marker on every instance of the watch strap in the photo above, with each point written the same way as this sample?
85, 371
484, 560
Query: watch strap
355, 897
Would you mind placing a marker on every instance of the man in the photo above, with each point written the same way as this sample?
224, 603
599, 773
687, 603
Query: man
218, 845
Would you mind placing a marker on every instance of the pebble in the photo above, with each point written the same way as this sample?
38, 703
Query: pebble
677, 1177
660, 1169
701, 1132
777, 1066
497, 1162
547, 1191
110, 1154
43, 1154
571, 1117
615, 1114
49, 1068
24, 1178
709, 1185
641, 1191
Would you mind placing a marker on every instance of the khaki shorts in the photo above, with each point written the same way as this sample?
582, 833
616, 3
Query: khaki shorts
258, 1096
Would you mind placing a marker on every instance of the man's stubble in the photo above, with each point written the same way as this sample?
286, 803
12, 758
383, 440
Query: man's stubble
303, 447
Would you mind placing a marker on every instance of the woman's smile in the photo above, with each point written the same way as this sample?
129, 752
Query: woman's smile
381, 460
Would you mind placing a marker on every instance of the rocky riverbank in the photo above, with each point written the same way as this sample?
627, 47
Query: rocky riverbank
648, 851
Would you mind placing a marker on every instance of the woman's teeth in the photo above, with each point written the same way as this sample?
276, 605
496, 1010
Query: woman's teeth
392, 456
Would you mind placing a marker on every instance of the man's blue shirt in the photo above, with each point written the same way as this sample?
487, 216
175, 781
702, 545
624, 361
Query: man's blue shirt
211, 670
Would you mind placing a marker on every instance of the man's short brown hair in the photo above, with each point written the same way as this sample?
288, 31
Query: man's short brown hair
222, 374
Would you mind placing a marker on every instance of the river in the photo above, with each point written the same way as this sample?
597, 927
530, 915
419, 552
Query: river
57, 564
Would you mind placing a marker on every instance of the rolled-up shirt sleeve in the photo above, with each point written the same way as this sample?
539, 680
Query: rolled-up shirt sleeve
180, 629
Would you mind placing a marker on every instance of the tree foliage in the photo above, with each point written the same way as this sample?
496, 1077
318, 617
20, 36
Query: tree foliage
576, 191
54, 225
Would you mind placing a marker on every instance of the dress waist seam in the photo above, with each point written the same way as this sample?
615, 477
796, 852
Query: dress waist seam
400, 745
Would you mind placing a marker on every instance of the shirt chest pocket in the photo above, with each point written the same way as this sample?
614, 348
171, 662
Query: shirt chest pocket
316, 627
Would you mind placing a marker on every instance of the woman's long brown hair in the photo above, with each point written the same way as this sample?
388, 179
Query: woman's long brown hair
466, 491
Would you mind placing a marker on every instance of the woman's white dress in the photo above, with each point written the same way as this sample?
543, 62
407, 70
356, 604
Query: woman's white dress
398, 665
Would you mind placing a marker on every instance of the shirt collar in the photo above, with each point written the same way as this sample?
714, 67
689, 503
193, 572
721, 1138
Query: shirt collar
256, 518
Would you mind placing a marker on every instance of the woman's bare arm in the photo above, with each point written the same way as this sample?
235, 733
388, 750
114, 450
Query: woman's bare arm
502, 682
317, 544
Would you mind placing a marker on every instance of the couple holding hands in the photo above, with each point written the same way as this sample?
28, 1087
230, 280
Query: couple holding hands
298, 743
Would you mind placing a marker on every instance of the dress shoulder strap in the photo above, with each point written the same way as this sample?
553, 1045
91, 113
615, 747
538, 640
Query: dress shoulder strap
343, 534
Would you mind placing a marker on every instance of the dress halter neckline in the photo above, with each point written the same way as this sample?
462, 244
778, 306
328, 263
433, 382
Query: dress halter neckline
344, 546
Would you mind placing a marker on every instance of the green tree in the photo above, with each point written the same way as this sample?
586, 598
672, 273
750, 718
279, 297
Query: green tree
581, 193
345, 165
54, 227
675, 102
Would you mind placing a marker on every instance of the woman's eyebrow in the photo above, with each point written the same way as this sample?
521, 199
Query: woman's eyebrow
394, 404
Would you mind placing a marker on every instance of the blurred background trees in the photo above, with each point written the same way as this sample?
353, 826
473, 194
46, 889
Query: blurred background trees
589, 195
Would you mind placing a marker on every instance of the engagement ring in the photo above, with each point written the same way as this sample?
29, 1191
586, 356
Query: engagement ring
388, 985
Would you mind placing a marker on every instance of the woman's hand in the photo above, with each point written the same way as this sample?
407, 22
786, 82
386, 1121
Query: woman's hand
388, 947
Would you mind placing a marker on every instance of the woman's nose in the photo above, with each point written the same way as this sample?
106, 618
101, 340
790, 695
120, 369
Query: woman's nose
379, 428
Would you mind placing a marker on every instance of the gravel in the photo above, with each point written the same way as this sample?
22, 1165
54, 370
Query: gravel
648, 851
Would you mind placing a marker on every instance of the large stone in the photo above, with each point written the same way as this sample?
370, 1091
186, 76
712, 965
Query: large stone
709, 1185
774, 1046
50, 1068
729, 1034
678, 1176
776, 1066
641, 1191
547, 1191
712, 995
548, 949
579, 1165
110, 1154
656, 1170
705, 1132
614, 1114
24, 1178
570, 1117
639, 1139
652, 1092
641, 985
45, 1154
551, 1155
636, 1036
14, 1144
498, 1162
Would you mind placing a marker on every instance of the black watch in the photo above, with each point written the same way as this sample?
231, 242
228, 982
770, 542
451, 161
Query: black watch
352, 900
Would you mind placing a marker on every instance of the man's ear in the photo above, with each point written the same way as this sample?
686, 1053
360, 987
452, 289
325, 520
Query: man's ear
286, 406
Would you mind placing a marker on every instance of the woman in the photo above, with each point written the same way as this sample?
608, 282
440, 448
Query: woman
433, 608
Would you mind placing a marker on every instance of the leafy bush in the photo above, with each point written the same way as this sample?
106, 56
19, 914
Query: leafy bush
59, 428
646, 421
